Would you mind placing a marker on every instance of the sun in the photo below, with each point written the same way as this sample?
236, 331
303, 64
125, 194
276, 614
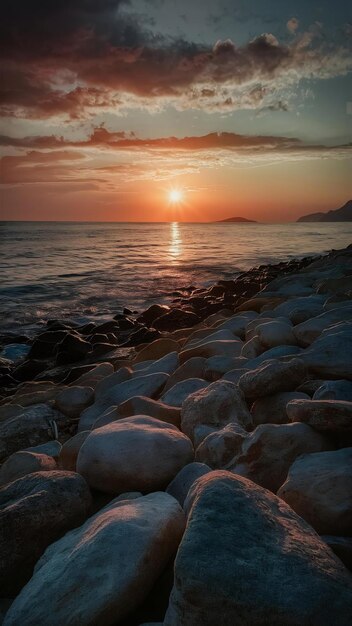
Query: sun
175, 196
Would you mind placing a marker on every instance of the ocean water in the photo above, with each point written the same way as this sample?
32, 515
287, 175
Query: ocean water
89, 270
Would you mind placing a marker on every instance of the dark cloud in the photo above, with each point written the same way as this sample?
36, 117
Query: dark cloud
70, 58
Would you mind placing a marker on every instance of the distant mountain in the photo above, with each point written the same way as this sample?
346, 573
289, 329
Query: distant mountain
238, 219
344, 214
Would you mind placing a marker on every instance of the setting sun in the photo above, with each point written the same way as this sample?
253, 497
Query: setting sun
175, 196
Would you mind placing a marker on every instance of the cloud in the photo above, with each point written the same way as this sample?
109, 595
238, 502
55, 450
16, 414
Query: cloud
75, 59
292, 25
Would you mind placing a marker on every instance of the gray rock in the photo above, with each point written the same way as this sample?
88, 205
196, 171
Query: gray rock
272, 409
193, 368
34, 511
183, 481
137, 453
24, 462
220, 447
217, 405
179, 392
334, 390
270, 449
247, 558
319, 489
323, 415
73, 400
32, 427
51, 448
342, 547
166, 364
330, 356
307, 332
272, 377
102, 571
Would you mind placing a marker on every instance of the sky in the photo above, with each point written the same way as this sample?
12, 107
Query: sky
108, 107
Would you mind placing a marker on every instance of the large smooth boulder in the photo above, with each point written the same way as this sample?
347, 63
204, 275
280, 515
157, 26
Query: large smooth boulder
34, 511
29, 428
247, 558
157, 349
102, 571
217, 405
183, 481
179, 392
94, 375
330, 356
137, 453
272, 409
193, 368
309, 331
334, 390
319, 489
139, 405
217, 347
272, 377
73, 400
220, 447
149, 385
276, 333
25, 462
268, 452
69, 452
323, 415
166, 364
115, 378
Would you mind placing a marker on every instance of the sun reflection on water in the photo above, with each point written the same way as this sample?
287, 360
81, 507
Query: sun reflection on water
175, 247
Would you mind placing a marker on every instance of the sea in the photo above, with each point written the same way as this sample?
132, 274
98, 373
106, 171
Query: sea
84, 271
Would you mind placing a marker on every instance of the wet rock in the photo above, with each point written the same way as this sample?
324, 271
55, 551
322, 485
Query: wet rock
44, 345
133, 454
322, 415
120, 553
268, 452
334, 390
272, 409
73, 400
319, 489
25, 462
234, 525
72, 348
272, 377
28, 370
219, 448
176, 318
15, 351
32, 427
35, 511
183, 481
217, 405
152, 313
179, 392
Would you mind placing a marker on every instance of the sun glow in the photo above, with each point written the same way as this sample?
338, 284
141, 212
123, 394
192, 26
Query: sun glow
175, 196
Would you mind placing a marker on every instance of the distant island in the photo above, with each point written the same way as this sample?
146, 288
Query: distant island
238, 219
343, 214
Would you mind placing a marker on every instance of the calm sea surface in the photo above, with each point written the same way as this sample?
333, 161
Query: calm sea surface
84, 270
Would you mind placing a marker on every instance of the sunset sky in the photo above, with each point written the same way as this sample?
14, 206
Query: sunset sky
242, 106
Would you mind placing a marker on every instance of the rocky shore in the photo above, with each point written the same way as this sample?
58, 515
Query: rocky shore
188, 465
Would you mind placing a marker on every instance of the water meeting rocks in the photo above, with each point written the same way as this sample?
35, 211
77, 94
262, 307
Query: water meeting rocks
137, 453
319, 489
247, 558
102, 571
34, 511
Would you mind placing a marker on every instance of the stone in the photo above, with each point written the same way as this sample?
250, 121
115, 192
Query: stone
307, 332
32, 427
276, 333
268, 452
342, 547
176, 318
157, 349
150, 386
217, 405
252, 348
152, 313
35, 511
10, 410
234, 375
319, 489
212, 348
219, 448
139, 405
94, 375
15, 352
72, 348
274, 353
204, 335
166, 364
69, 452
73, 400
334, 390
247, 558
272, 409
237, 323
102, 571
330, 356
216, 366
115, 378
51, 448
24, 462
179, 392
272, 377
193, 368
183, 481
322, 415
137, 453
